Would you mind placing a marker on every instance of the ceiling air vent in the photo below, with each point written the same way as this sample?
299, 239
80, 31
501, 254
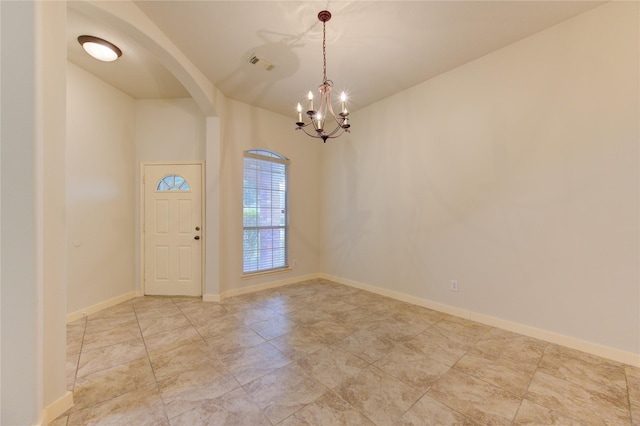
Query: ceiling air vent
254, 60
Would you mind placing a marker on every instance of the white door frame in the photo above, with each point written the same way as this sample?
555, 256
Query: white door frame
142, 216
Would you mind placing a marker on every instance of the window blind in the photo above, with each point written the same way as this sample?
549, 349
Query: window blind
265, 216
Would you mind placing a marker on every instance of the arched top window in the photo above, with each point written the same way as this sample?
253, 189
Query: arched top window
173, 183
266, 153
265, 211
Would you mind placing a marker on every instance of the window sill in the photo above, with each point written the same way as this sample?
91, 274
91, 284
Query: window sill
264, 273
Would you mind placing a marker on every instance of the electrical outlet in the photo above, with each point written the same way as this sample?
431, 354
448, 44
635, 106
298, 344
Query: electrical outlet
454, 285
295, 262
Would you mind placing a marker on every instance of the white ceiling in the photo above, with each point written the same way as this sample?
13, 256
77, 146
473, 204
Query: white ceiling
374, 48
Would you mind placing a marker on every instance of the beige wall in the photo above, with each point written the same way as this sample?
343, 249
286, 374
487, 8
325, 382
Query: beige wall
169, 130
166, 130
20, 347
53, 112
100, 190
516, 174
247, 127
110, 134
32, 230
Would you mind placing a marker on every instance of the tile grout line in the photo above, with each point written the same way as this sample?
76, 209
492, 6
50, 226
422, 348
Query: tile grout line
153, 371
84, 332
569, 416
240, 386
626, 378
524, 395
75, 374
440, 378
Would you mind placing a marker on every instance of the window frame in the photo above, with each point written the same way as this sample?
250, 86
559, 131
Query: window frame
273, 157
173, 187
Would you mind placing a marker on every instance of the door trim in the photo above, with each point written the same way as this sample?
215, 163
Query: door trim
203, 235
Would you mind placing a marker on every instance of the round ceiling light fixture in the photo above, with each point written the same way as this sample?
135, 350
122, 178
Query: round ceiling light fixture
99, 48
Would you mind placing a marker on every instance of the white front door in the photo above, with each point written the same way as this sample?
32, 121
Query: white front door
172, 229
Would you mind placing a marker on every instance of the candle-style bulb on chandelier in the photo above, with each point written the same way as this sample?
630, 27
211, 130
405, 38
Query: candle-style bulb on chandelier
323, 123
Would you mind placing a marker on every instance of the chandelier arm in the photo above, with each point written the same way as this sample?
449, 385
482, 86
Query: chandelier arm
339, 118
303, 125
316, 135
313, 135
334, 131
331, 135
319, 133
339, 125
331, 111
323, 107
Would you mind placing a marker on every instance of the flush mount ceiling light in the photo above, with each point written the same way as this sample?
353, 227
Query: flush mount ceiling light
322, 119
99, 48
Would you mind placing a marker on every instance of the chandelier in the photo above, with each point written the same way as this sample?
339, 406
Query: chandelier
326, 124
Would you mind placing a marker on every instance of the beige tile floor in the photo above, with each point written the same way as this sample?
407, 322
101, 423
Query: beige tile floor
320, 353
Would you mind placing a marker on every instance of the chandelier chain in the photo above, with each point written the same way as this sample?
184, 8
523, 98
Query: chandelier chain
324, 52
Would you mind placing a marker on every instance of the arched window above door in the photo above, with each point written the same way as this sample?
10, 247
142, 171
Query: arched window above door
173, 183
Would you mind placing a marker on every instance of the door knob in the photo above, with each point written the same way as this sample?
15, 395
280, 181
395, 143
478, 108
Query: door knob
197, 228
197, 237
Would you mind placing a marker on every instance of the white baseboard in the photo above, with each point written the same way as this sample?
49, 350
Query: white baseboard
257, 287
53, 410
440, 307
560, 339
211, 298
548, 336
100, 306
